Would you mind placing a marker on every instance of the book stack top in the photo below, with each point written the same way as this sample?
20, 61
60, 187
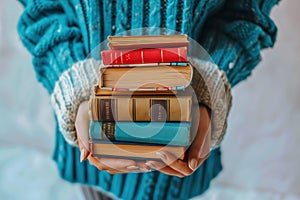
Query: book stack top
128, 64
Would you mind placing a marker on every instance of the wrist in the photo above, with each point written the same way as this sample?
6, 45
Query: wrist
73, 87
212, 90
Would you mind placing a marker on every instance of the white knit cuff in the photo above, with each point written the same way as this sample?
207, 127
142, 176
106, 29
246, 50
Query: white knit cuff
212, 89
73, 87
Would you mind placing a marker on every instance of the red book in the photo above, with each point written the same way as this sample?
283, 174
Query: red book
141, 56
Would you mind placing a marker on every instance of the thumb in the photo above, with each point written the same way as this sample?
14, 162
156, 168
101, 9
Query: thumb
200, 147
198, 152
82, 130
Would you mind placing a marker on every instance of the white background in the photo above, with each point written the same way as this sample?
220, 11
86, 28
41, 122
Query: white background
261, 151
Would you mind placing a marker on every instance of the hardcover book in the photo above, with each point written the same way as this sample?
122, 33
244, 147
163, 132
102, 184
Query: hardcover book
141, 56
140, 108
146, 78
133, 150
159, 41
142, 132
126, 92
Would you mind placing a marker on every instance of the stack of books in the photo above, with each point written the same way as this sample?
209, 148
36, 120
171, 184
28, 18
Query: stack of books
140, 105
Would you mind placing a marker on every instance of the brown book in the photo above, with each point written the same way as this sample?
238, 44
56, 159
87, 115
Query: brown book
146, 78
154, 41
133, 150
140, 108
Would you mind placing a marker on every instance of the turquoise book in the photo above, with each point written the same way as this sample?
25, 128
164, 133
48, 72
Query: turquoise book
167, 133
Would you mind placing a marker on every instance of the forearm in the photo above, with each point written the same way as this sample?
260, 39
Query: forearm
212, 89
73, 87
49, 32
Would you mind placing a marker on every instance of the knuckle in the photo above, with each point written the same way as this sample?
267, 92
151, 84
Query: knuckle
180, 176
101, 167
188, 173
97, 164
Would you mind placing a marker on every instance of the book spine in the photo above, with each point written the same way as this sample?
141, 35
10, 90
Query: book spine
180, 64
102, 86
143, 132
160, 110
140, 109
107, 109
141, 56
152, 89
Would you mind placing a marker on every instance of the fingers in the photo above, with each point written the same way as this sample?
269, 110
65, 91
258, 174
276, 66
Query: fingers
159, 166
82, 126
201, 160
143, 167
198, 151
83, 154
113, 164
117, 166
177, 165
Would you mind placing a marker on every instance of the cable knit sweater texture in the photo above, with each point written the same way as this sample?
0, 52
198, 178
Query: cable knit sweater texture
60, 34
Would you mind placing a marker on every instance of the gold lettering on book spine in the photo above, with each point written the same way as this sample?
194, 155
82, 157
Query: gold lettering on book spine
107, 109
108, 130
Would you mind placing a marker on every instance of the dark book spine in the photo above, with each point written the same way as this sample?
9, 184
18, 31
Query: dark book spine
107, 109
159, 110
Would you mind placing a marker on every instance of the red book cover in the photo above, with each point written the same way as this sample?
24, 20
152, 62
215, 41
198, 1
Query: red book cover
140, 56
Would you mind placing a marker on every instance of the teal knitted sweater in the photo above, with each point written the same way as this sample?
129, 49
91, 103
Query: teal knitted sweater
61, 33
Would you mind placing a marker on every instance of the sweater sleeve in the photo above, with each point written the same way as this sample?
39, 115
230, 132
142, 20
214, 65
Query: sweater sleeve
235, 36
57, 39
51, 33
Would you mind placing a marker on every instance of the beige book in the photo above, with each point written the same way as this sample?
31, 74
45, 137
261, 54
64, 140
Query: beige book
134, 150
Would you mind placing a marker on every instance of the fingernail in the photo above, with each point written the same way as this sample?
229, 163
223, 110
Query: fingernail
132, 167
150, 165
82, 154
144, 169
161, 155
193, 164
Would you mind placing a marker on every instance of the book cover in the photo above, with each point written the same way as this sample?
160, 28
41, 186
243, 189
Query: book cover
133, 150
146, 78
98, 91
150, 41
142, 132
149, 64
141, 56
157, 108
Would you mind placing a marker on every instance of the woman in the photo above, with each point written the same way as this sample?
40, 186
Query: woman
60, 34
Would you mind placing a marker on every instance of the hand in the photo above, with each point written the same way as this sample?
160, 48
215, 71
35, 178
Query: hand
198, 152
112, 165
